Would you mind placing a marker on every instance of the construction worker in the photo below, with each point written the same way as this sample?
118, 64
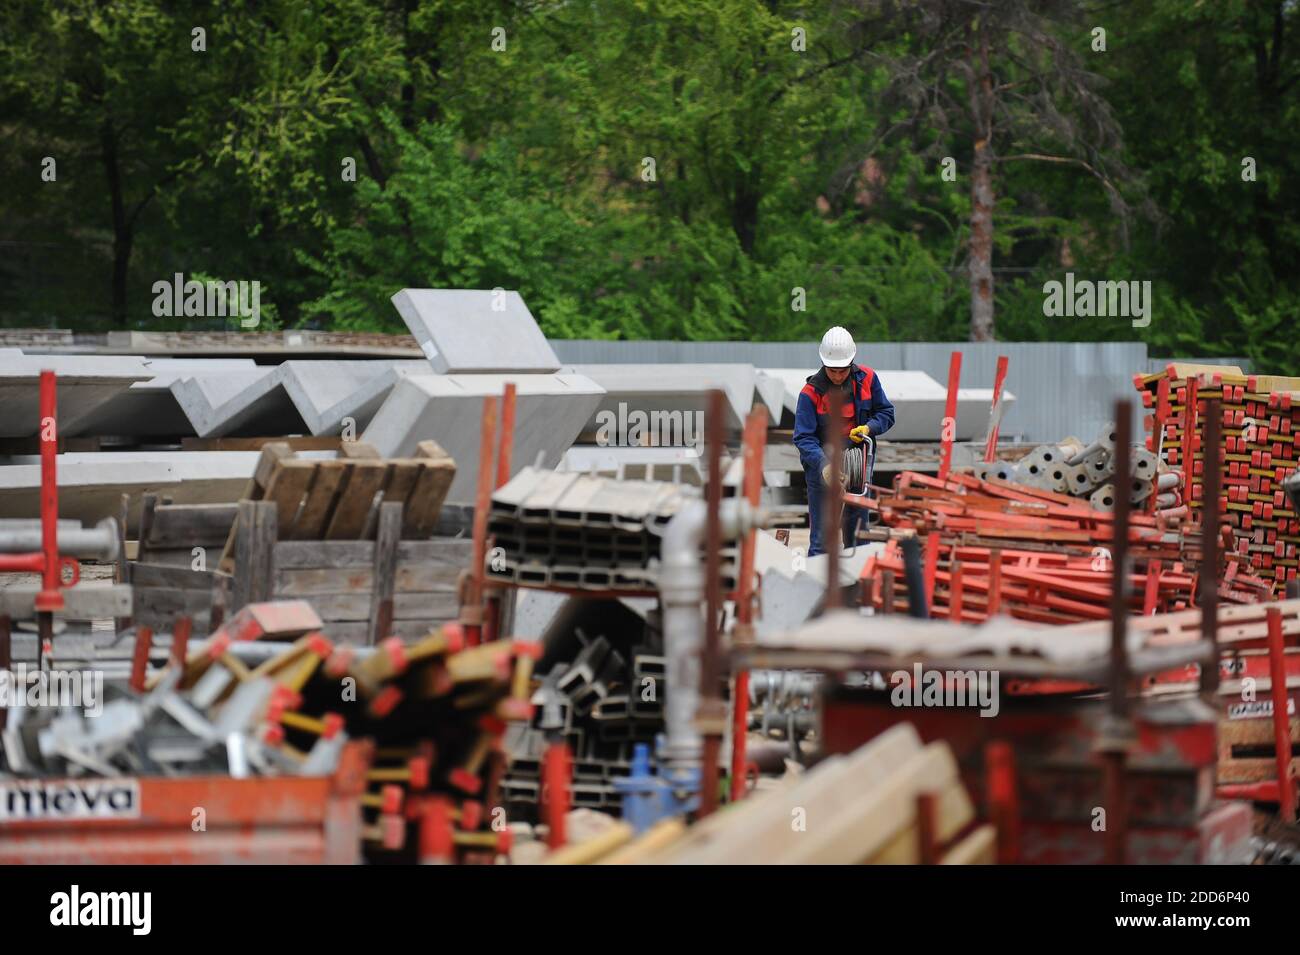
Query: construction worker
866, 412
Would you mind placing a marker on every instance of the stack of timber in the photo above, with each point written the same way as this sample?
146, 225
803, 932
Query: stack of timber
894, 800
351, 535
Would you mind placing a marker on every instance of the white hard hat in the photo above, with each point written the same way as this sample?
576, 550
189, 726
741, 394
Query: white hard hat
837, 349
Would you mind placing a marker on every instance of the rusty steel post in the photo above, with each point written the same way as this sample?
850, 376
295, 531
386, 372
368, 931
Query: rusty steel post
995, 412
948, 428
712, 712
743, 634
1116, 737
832, 518
1281, 718
1208, 585
495, 593
471, 612
1003, 802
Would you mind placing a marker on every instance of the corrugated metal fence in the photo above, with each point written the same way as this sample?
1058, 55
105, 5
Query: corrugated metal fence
1061, 388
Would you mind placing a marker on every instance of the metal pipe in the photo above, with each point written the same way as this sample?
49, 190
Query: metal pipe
712, 712
49, 598
681, 595
87, 543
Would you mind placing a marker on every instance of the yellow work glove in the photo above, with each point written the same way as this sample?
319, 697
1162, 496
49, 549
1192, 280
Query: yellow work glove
859, 434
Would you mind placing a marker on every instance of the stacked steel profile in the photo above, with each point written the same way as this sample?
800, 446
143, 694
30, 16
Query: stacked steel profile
1260, 417
561, 530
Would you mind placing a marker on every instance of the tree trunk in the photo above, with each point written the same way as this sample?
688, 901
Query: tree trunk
122, 233
981, 195
981, 245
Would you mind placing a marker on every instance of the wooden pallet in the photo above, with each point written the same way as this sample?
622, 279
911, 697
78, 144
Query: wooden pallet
339, 499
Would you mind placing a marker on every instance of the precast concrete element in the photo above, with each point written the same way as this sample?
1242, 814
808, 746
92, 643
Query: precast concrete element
148, 408
329, 393
665, 404
252, 402
549, 413
918, 402
84, 383
474, 331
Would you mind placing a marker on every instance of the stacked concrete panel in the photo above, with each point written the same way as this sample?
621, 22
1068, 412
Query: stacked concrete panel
85, 384
149, 408
673, 398
919, 399
475, 331
549, 413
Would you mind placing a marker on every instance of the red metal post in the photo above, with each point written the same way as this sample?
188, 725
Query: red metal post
1004, 809
49, 598
995, 412
955, 595
556, 770
752, 450
949, 427
471, 614
505, 453
181, 639
995, 582
140, 658
1281, 718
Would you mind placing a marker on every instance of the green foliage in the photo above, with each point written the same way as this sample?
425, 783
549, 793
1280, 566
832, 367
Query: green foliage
782, 177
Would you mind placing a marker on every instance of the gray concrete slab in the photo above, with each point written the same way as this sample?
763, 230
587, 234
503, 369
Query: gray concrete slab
770, 392
678, 465
673, 389
471, 330
148, 408
91, 484
919, 400
84, 384
328, 393
549, 414
239, 403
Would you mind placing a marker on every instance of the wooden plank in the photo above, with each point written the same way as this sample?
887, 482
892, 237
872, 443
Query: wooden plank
148, 506
403, 475
289, 485
300, 443
978, 848
191, 525
255, 532
362, 481
315, 581
319, 508
356, 606
272, 455
183, 578
355, 633
343, 555
455, 550
358, 450
385, 569
425, 501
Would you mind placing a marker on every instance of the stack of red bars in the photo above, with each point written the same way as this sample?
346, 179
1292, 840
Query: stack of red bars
1260, 415
996, 547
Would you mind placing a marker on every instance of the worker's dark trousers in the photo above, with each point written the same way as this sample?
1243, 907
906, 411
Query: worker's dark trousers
816, 501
